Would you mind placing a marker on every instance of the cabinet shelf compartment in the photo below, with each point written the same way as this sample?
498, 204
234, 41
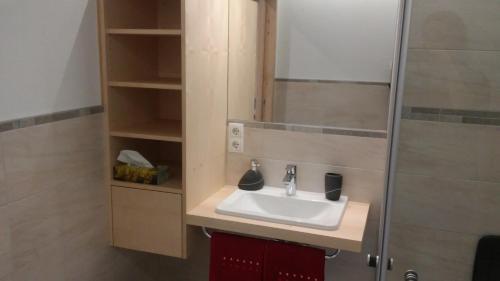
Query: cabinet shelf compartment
145, 114
156, 152
152, 62
143, 14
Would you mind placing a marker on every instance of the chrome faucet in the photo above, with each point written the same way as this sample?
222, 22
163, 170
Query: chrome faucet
290, 180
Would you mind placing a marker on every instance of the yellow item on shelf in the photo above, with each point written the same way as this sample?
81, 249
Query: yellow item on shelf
154, 176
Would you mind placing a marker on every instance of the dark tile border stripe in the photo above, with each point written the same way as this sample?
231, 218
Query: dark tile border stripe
490, 118
314, 129
49, 118
334, 82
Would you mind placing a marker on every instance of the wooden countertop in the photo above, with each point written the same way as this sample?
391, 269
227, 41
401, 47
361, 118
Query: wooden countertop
349, 236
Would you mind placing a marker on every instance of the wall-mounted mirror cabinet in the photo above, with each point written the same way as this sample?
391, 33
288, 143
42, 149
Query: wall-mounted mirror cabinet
314, 63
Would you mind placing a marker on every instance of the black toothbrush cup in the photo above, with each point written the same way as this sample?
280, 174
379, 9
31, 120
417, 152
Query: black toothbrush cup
333, 186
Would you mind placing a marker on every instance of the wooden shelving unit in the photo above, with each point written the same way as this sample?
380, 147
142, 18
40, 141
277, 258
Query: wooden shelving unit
142, 77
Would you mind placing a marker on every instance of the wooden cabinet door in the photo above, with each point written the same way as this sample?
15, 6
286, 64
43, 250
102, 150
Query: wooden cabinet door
147, 221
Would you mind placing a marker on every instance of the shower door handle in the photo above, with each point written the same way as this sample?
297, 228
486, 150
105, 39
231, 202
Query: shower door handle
372, 261
411, 275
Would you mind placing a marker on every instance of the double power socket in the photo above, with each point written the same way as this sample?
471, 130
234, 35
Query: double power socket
236, 135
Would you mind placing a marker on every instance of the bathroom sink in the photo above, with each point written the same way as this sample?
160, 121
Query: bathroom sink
307, 209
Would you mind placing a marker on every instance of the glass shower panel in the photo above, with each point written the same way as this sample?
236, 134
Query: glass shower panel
446, 194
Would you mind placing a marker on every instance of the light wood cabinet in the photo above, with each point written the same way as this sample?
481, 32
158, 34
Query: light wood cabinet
149, 221
164, 85
142, 58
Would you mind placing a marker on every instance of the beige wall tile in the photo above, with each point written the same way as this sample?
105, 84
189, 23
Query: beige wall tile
489, 154
5, 260
451, 205
35, 222
455, 24
83, 204
443, 150
42, 264
61, 233
453, 79
335, 150
87, 255
3, 184
449, 150
360, 185
346, 105
436, 255
43, 157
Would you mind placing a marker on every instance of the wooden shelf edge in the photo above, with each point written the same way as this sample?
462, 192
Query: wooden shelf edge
132, 135
160, 130
140, 31
159, 188
146, 85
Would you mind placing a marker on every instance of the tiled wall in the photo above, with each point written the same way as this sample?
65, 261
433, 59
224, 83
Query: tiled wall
53, 214
360, 159
448, 177
455, 55
350, 105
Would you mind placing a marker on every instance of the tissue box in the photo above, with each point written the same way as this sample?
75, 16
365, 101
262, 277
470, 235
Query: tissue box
153, 176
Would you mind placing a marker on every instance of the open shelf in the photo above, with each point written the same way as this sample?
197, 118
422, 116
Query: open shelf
172, 185
149, 114
156, 152
155, 83
146, 32
137, 14
162, 130
153, 62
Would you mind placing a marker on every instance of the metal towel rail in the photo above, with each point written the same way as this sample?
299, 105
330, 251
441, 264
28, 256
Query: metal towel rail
335, 254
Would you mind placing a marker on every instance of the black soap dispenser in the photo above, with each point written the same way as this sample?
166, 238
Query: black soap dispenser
252, 180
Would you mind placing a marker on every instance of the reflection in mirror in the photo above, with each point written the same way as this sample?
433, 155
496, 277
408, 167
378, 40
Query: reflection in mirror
323, 63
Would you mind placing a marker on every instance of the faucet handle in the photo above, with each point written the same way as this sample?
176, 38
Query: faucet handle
291, 169
255, 164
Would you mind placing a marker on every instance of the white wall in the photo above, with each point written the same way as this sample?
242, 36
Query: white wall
346, 40
48, 56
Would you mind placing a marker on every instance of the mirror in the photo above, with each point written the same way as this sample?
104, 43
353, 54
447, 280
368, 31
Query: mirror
323, 63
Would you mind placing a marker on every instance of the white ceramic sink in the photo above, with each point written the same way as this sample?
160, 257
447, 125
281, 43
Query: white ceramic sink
307, 209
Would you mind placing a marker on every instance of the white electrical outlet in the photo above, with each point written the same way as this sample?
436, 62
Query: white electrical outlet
236, 130
236, 134
235, 146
